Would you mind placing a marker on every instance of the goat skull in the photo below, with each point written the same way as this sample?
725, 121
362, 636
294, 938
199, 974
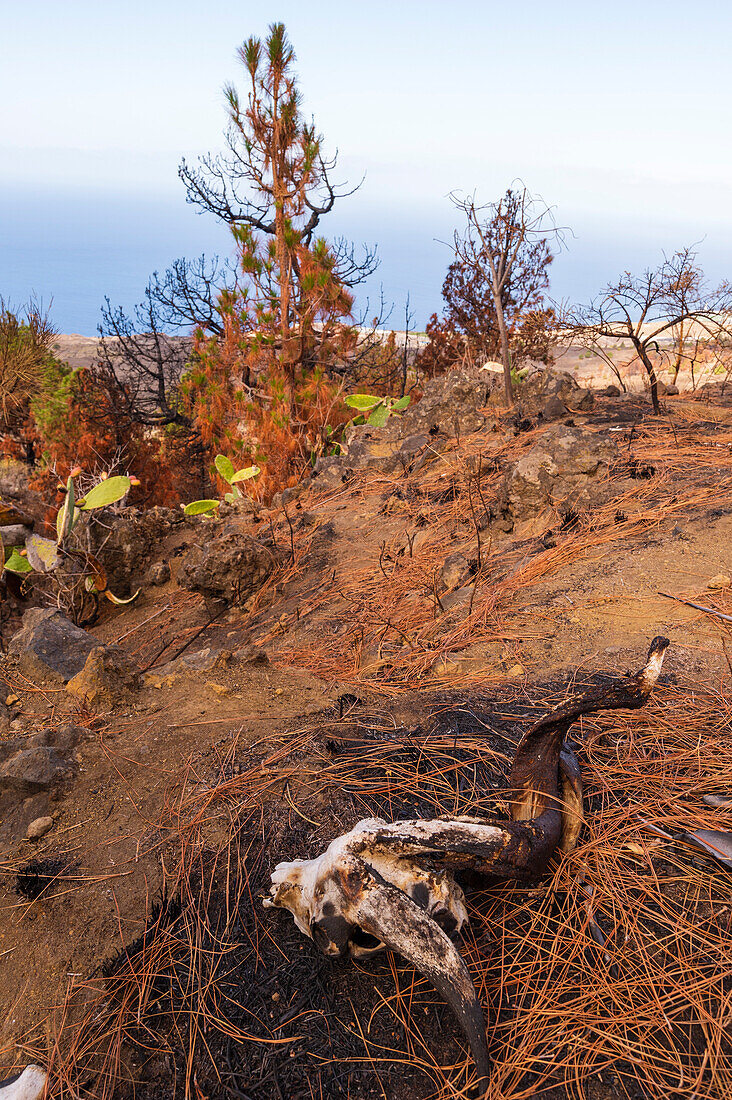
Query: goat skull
391, 884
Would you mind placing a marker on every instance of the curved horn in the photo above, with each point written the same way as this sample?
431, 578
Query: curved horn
572, 809
386, 912
534, 775
536, 767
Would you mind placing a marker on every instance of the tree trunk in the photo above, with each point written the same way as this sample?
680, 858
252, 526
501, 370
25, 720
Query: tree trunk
679, 352
505, 355
651, 371
505, 351
279, 195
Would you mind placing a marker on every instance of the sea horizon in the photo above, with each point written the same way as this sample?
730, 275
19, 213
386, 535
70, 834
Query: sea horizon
70, 248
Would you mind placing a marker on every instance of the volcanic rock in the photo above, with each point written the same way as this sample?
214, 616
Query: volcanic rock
32, 770
132, 542
108, 677
48, 645
231, 567
159, 573
564, 468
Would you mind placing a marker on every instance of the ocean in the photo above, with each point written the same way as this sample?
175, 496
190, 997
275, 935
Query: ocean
70, 249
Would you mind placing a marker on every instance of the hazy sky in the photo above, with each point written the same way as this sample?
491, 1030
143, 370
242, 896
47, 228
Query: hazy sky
619, 115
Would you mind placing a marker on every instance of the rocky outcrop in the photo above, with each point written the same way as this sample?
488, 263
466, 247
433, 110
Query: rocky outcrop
132, 545
232, 566
379, 450
450, 406
565, 469
552, 394
33, 771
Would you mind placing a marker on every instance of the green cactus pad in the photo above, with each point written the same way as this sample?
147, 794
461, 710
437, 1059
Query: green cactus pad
43, 554
245, 474
201, 507
105, 493
18, 564
224, 467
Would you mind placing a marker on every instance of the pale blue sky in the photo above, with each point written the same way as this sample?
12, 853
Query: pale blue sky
620, 115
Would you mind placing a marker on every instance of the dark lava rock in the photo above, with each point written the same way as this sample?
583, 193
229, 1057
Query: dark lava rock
564, 468
252, 655
380, 450
9, 748
553, 409
330, 472
49, 645
64, 739
14, 534
159, 573
540, 391
450, 405
231, 567
32, 770
133, 541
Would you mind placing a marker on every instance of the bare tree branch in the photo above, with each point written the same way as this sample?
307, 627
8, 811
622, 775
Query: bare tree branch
666, 300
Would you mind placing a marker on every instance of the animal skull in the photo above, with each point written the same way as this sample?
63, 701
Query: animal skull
391, 884
28, 1085
312, 890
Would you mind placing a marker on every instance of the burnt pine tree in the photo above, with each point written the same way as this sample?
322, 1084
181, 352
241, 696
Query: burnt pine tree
501, 271
272, 186
274, 170
289, 281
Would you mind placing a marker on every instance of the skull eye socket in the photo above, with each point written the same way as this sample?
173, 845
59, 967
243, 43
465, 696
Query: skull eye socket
420, 895
331, 935
446, 920
364, 940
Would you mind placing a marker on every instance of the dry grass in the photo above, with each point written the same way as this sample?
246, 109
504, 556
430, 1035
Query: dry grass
392, 628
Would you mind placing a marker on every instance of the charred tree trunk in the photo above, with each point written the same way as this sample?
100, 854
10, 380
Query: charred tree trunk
505, 350
651, 372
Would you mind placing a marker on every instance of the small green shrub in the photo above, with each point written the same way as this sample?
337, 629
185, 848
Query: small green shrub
225, 470
46, 556
376, 411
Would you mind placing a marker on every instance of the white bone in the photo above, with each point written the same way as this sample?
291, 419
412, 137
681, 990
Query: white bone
28, 1085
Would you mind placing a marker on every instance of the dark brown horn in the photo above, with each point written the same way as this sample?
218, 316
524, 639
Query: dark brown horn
386, 912
535, 772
